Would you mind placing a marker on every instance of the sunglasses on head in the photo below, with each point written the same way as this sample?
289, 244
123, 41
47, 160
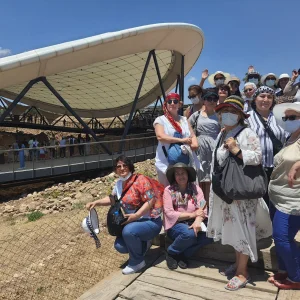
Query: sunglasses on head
248, 90
175, 101
290, 118
211, 99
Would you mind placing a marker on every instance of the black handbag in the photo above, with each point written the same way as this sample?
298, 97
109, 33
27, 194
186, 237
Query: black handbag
233, 181
115, 215
277, 145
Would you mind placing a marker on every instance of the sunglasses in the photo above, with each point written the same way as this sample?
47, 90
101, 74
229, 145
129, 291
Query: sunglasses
211, 99
290, 118
175, 101
270, 78
223, 90
248, 90
253, 76
119, 167
191, 97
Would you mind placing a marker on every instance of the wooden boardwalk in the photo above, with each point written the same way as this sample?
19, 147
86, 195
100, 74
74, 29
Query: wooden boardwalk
200, 281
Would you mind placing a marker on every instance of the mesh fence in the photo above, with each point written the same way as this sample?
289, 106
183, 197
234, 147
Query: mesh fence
52, 258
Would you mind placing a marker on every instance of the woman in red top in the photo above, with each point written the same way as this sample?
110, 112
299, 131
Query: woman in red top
142, 209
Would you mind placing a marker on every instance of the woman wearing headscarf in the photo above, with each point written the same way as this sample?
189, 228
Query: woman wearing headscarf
262, 121
184, 212
167, 127
249, 90
206, 127
284, 192
242, 222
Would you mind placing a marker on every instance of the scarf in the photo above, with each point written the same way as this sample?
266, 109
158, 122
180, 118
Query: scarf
180, 200
176, 126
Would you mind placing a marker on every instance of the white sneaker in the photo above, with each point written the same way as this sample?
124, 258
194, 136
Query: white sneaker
133, 269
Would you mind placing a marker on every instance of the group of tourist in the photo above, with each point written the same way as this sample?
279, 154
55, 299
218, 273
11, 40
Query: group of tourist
259, 129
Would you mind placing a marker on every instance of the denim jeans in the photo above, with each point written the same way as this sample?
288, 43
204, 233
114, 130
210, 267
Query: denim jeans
135, 236
185, 241
285, 228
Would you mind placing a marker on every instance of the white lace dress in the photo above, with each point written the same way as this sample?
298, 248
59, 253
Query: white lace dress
243, 222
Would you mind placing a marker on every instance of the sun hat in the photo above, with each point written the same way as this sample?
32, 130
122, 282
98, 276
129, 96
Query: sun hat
211, 78
232, 78
235, 102
284, 75
280, 109
171, 172
263, 89
173, 96
263, 78
90, 225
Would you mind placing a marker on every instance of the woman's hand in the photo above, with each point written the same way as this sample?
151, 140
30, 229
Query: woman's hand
196, 226
231, 145
90, 205
200, 213
187, 141
293, 173
294, 75
131, 218
205, 74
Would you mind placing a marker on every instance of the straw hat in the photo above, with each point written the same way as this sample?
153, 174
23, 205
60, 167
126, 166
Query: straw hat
171, 172
211, 78
233, 78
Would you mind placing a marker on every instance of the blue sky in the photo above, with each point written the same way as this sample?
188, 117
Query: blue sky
237, 32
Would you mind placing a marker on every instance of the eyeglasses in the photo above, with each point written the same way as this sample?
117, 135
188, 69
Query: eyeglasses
290, 118
119, 167
248, 90
175, 101
223, 90
191, 97
211, 99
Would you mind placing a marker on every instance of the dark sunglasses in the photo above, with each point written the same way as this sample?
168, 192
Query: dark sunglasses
211, 99
253, 76
191, 97
175, 101
270, 78
290, 118
248, 90
118, 167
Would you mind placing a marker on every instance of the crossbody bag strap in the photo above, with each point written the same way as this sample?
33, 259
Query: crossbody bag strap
216, 164
196, 121
127, 188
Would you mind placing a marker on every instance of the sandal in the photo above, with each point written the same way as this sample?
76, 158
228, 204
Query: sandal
287, 284
235, 284
229, 271
277, 276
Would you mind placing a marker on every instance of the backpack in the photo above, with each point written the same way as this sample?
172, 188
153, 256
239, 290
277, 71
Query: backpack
174, 154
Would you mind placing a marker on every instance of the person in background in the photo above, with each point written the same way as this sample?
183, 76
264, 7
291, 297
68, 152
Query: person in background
195, 94
42, 152
206, 127
165, 127
142, 208
218, 78
252, 76
292, 88
185, 210
62, 147
16, 153
234, 84
242, 222
21, 153
249, 90
269, 80
30, 146
35, 152
284, 191
261, 117
80, 141
223, 91
87, 146
281, 83
26, 151
72, 142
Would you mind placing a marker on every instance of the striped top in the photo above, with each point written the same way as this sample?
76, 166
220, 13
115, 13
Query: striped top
265, 141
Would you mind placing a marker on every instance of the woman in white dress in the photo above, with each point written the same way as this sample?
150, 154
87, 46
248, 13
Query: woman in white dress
165, 128
242, 222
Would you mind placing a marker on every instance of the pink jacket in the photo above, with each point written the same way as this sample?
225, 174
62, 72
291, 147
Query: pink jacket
170, 215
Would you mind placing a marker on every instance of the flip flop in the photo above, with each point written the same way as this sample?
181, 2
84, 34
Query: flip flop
235, 284
277, 276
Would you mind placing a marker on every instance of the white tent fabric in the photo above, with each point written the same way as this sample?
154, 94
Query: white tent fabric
98, 76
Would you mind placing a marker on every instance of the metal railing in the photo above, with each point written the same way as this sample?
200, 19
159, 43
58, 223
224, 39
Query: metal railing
30, 163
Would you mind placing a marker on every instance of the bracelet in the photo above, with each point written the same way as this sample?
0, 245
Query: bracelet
240, 151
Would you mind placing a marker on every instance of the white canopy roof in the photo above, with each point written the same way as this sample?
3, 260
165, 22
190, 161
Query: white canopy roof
98, 76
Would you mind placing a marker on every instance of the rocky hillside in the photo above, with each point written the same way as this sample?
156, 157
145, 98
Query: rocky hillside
62, 197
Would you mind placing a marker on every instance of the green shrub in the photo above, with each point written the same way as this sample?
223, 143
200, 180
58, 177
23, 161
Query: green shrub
34, 216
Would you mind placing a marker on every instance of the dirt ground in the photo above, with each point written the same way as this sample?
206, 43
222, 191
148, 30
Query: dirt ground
52, 258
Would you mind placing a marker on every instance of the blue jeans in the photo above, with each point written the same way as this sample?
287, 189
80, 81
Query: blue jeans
184, 240
285, 228
135, 236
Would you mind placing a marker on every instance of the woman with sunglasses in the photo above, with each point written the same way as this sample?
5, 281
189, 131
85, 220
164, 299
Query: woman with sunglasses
249, 90
195, 93
206, 126
167, 127
284, 192
252, 76
223, 92
142, 210
234, 84
263, 123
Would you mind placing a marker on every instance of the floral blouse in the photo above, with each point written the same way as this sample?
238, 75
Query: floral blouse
141, 189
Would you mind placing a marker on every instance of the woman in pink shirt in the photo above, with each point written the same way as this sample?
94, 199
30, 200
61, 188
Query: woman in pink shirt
184, 215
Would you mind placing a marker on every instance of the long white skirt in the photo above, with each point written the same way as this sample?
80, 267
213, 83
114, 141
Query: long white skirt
239, 224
